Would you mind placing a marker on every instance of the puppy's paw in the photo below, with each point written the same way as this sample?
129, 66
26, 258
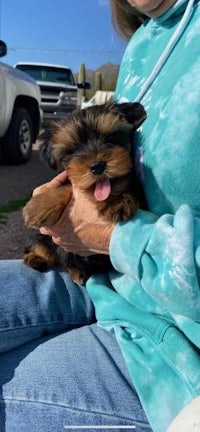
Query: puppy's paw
45, 209
37, 258
120, 209
79, 277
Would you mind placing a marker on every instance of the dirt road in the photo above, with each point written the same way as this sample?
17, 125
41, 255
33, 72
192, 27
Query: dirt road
17, 183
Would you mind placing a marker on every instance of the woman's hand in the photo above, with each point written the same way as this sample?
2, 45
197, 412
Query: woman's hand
79, 230
57, 181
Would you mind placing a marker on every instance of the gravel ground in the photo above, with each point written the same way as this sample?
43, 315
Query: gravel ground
17, 183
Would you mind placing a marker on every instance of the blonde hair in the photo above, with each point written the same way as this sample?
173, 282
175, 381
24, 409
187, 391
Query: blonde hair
126, 19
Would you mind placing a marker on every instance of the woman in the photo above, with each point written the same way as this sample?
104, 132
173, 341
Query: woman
147, 338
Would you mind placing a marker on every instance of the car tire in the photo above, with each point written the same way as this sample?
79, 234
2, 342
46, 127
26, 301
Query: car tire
16, 146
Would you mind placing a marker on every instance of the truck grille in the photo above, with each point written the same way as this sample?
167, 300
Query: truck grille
52, 95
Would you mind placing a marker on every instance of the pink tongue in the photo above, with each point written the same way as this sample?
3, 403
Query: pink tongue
102, 189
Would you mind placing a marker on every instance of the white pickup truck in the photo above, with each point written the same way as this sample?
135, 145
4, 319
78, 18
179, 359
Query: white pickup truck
59, 90
20, 113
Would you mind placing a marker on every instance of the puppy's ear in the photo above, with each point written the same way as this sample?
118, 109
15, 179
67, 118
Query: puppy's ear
45, 140
132, 112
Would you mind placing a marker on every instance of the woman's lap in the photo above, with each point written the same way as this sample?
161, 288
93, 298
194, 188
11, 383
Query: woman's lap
77, 377
33, 304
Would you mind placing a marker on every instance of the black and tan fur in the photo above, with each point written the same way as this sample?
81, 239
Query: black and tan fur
91, 144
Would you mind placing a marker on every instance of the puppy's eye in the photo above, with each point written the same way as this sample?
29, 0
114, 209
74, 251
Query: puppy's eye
98, 167
119, 138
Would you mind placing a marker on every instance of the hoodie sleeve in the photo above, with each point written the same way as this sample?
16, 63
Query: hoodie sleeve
163, 255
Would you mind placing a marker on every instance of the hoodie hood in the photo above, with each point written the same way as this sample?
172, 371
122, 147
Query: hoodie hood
175, 10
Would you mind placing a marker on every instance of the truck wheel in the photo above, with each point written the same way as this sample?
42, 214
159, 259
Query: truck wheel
16, 145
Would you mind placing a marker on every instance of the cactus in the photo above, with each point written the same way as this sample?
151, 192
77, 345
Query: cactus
98, 81
81, 78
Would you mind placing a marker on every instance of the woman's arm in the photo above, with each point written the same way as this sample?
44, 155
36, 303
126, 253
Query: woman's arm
164, 256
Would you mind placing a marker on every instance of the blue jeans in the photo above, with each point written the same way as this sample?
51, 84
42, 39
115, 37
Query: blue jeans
57, 367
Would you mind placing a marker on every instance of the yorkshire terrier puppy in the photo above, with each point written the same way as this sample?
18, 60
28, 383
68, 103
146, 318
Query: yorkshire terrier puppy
94, 146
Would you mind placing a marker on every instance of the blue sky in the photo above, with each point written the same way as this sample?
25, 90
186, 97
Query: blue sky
66, 32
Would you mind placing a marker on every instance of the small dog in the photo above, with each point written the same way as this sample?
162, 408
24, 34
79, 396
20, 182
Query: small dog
94, 146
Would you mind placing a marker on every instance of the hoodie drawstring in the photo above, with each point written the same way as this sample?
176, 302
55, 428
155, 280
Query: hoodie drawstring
167, 51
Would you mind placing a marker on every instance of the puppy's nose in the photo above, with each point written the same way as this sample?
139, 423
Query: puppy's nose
97, 167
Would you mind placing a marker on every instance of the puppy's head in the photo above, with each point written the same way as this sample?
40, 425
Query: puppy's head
94, 145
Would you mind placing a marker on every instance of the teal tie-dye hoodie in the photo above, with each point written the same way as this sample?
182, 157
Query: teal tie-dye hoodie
151, 301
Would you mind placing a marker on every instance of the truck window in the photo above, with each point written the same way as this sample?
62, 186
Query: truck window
48, 73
